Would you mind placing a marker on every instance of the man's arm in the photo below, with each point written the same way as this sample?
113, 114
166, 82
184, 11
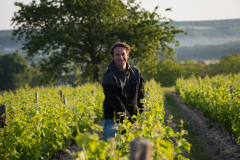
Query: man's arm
140, 94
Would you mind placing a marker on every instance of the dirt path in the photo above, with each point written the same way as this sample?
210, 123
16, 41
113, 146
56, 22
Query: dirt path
218, 143
168, 122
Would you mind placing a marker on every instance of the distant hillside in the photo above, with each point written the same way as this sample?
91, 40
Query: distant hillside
211, 28
200, 32
207, 52
7, 42
208, 32
215, 33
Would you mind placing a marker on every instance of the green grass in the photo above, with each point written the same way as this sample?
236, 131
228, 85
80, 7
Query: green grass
197, 150
168, 89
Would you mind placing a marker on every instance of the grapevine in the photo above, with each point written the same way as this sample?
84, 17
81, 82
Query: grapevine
39, 129
218, 98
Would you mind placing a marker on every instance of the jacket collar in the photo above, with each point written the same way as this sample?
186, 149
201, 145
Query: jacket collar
112, 66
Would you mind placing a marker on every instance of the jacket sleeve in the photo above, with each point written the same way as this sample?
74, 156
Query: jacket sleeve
112, 96
140, 94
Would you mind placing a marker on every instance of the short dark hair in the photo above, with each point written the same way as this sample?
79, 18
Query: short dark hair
120, 44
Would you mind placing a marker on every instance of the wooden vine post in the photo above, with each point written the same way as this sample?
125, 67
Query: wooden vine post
36, 94
147, 95
61, 95
65, 100
140, 149
3, 115
231, 90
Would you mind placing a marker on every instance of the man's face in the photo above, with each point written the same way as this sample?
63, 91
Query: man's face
120, 57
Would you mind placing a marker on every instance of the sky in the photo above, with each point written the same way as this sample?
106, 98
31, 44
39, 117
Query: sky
182, 10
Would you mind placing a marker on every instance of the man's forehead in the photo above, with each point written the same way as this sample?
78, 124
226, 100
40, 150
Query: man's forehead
119, 50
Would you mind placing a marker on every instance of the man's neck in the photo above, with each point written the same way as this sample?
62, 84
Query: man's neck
122, 68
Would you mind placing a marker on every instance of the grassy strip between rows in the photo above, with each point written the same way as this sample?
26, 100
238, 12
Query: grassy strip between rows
197, 149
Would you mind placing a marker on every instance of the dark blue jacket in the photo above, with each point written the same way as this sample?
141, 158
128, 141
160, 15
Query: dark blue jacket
123, 91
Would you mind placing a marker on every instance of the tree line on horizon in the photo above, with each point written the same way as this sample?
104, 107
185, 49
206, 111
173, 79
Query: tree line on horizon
207, 52
193, 53
16, 73
169, 70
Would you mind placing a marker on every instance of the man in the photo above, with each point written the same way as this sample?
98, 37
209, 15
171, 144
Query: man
123, 87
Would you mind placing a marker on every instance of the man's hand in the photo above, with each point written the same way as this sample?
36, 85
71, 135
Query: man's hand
135, 124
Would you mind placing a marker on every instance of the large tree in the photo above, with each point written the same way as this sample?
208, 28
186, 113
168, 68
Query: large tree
80, 33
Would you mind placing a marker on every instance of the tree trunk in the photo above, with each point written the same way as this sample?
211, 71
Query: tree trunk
96, 73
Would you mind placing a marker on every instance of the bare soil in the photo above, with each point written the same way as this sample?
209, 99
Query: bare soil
218, 142
168, 122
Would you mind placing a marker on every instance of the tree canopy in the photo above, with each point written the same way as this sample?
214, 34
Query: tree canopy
14, 71
168, 71
227, 64
79, 33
